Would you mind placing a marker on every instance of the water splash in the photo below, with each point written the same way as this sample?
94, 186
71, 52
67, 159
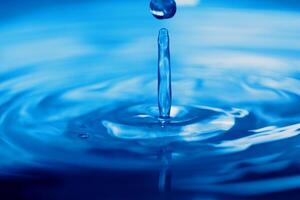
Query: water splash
108, 119
164, 75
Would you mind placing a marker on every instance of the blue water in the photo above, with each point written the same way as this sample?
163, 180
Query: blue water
163, 9
78, 102
164, 75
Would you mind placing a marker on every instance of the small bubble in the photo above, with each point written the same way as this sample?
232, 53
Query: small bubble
84, 135
239, 113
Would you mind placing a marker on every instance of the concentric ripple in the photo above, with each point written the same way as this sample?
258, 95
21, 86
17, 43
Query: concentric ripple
82, 91
187, 124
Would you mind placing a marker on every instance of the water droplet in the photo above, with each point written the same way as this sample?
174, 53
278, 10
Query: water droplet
163, 9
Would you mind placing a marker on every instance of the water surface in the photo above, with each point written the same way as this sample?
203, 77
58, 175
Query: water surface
68, 70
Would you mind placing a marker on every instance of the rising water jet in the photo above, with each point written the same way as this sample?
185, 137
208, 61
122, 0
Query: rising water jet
164, 75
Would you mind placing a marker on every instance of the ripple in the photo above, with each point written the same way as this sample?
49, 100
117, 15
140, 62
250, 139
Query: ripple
83, 92
263, 135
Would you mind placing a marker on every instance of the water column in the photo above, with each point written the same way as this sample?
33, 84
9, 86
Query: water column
164, 75
164, 9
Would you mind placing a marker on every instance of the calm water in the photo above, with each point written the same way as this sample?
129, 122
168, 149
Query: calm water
78, 102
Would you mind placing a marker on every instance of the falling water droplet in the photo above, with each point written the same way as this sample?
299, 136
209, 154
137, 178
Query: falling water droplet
164, 75
163, 9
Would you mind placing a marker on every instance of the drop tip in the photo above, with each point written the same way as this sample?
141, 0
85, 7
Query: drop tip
163, 36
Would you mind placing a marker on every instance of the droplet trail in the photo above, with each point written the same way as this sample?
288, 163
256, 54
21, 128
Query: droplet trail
163, 9
164, 75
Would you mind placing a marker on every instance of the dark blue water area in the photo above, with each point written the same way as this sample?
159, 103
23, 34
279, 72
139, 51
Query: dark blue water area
78, 101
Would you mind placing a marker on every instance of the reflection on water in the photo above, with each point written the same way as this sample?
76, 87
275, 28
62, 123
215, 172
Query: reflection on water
71, 75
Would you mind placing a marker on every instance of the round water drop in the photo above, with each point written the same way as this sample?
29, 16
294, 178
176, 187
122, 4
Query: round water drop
163, 9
